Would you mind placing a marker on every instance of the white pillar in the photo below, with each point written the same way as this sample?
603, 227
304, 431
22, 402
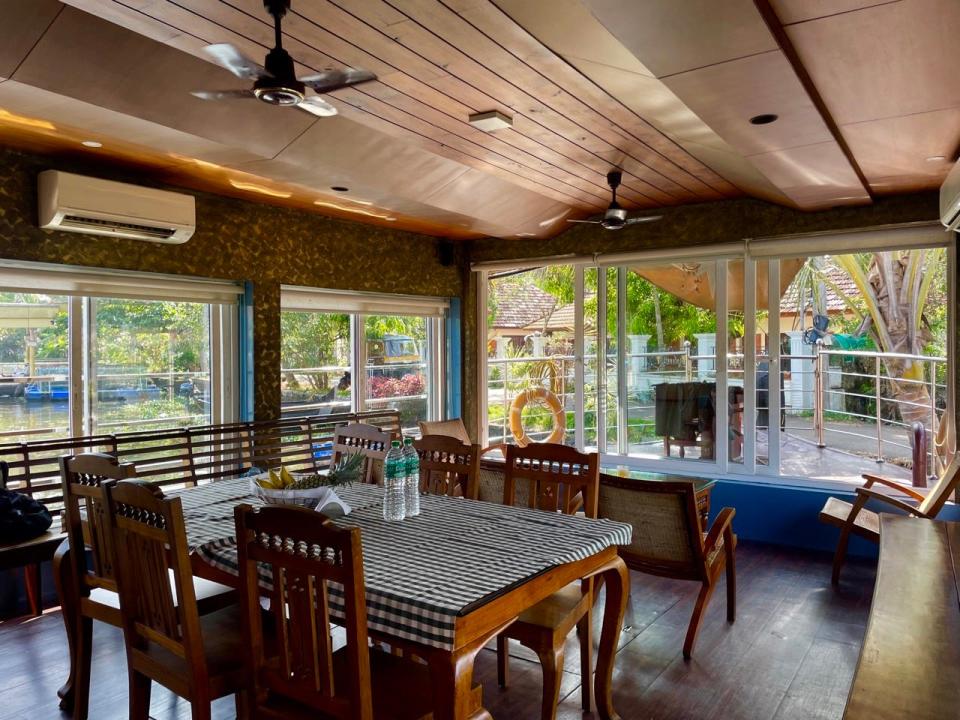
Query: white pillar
538, 341
502, 343
638, 365
706, 345
801, 372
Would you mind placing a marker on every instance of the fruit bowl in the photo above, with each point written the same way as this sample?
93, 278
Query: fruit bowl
315, 498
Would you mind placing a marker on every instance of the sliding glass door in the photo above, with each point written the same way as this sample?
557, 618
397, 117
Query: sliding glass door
809, 359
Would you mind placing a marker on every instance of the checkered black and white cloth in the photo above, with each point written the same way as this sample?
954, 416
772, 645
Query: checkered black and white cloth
424, 572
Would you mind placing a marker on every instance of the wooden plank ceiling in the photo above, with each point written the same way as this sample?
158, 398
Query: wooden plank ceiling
864, 92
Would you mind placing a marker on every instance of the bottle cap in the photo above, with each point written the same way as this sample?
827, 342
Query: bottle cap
395, 443
408, 441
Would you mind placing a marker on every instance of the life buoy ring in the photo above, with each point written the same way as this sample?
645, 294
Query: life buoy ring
539, 394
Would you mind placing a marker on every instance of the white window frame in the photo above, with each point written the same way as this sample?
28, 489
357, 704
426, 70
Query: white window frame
81, 284
359, 305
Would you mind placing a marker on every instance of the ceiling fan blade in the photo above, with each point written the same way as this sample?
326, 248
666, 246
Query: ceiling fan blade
235, 61
223, 94
587, 222
644, 219
316, 105
330, 80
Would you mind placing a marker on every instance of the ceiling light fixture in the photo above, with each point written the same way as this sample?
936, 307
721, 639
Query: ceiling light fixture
936, 158
253, 187
91, 144
339, 188
491, 121
764, 119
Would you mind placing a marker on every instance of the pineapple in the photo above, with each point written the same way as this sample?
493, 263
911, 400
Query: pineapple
345, 472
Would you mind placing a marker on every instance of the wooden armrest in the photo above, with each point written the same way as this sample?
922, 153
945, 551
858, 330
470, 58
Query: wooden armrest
905, 489
722, 523
869, 493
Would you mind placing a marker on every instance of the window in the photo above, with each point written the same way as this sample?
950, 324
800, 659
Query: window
385, 352
812, 358
101, 352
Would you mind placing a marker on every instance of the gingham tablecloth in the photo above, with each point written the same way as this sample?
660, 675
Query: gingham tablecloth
424, 572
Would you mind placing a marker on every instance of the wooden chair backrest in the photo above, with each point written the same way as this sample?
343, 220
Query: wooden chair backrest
451, 428
370, 441
555, 477
667, 537
84, 479
942, 490
151, 547
304, 561
447, 466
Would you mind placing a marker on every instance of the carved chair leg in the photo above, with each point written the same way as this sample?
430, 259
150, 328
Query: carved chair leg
66, 592
31, 582
139, 696
551, 661
81, 673
702, 599
585, 634
503, 660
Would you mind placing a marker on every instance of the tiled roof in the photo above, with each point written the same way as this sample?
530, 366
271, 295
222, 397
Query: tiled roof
837, 277
519, 303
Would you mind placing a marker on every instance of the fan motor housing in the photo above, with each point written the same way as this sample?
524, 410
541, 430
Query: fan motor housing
269, 90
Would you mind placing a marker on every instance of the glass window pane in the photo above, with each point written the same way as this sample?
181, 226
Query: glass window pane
671, 361
315, 351
398, 367
34, 367
530, 361
150, 364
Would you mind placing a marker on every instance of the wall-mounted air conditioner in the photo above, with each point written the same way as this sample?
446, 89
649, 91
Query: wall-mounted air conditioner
950, 199
75, 203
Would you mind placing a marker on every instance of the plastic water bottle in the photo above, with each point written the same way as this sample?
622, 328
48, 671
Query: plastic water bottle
411, 487
394, 475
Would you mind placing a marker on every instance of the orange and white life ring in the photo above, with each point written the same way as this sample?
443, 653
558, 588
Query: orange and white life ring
541, 395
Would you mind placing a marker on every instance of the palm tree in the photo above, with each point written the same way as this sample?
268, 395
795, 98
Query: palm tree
894, 291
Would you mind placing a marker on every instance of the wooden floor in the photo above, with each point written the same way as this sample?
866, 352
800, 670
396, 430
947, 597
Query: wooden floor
790, 655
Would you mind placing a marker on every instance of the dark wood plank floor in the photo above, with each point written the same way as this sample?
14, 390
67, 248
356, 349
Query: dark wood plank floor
789, 656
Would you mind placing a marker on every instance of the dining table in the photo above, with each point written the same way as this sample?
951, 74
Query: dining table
444, 583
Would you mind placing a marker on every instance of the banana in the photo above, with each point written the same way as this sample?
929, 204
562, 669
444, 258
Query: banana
286, 479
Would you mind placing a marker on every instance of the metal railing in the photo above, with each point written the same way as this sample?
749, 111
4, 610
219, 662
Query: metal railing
812, 385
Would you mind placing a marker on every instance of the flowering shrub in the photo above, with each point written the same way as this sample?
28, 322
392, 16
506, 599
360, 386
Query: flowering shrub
380, 386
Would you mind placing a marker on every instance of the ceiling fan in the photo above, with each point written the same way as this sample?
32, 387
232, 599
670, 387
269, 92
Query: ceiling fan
274, 82
616, 217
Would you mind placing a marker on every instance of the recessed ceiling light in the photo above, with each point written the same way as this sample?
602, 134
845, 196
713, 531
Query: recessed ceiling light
764, 119
936, 158
339, 188
91, 144
491, 120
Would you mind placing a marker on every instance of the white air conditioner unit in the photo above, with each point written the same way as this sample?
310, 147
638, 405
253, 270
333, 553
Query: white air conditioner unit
75, 203
950, 199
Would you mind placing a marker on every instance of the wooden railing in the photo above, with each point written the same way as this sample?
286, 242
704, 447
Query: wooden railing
190, 455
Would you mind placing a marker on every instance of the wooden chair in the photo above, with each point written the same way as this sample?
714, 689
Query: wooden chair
668, 538
370, 441
857, 520
447, 466
454, 428
198, 657
554, 478
299, 676
89, 591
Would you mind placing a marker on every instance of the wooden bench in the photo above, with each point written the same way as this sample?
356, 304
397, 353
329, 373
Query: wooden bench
909, 665
176, 456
